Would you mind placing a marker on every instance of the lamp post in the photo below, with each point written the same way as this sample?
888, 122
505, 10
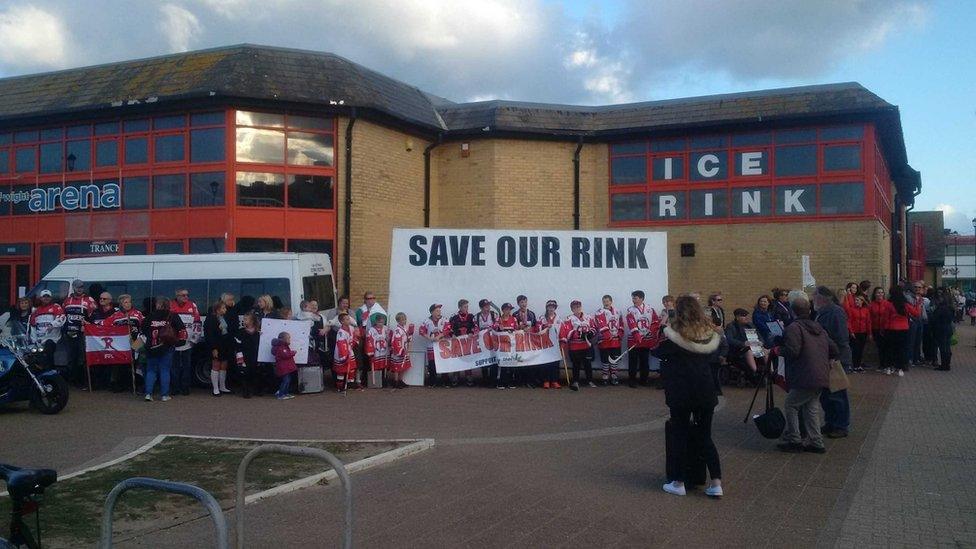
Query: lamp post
974, 254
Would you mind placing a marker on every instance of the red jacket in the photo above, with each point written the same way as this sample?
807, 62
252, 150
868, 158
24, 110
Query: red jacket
859, 320
610, 325
574, 331
644, 327
344, 355
190, 316
878, 314
77, 311
284, 358
895, 321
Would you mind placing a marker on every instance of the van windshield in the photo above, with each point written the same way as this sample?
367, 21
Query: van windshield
59, 289
319, 288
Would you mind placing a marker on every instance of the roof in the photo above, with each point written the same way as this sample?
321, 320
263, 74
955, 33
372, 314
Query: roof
933, 231
296, 78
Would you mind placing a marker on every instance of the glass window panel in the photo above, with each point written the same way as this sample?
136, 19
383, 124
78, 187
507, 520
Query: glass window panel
842, 158
169, 122
26, 161
796, 200
309, 149
709, 142
6, 197
668, 145
51, 157
667, 205
749, 163
26, 136
839, 133
841, 198
710, 165
748, 139
796, 136
310, 246
668, 168
207, 119
50, 257
800, 160
6, 138
168, 191
639, 147
169, 148
141, 125
260, 189
751, 202
310, 191
207, 145
52, 134
164, 248
136, 150
309, 122
213, 245
83, 130
4, 160
77, 156
628, 207
248, 118
264, 146
107, 128
207, 189
107, 153
628, 170
135, 248
19, 205
135, 193
260, 245
710, 203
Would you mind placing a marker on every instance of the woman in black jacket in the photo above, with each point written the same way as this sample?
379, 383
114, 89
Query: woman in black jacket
220, 343
940, 324
690, 394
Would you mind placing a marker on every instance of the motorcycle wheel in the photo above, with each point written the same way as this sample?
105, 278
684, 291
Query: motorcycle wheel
56, 399
201, 371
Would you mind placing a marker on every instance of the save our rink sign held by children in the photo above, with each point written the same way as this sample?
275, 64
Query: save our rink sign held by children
444, 265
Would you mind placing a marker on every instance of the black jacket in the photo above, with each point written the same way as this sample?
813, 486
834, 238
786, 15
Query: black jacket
736, 334
687, 375
223, 342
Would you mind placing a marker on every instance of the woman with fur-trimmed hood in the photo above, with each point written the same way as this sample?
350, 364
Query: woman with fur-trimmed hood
689, 391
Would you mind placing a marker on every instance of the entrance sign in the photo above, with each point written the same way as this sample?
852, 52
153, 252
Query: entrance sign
444, 265
69, 198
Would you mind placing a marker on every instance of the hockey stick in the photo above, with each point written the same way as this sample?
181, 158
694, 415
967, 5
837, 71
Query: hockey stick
616, 360
569, 383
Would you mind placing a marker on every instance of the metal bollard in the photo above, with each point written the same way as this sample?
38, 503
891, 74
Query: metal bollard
340, 470
204, 497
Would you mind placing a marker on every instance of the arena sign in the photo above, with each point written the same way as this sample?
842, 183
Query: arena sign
444, 265
68, 198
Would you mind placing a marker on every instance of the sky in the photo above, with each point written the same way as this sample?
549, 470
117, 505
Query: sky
917, 54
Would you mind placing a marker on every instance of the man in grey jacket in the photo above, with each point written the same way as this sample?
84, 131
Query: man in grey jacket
836, 405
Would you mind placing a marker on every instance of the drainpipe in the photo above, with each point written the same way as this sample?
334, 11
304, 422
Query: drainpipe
427, 149
576, 184
347, 222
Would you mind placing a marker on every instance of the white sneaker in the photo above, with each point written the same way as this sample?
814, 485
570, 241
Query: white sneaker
714, 492
148, 398
166, 398
674, 489
901, 373
887, 371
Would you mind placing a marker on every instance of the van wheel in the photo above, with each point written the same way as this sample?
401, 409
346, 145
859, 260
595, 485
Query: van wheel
201, 372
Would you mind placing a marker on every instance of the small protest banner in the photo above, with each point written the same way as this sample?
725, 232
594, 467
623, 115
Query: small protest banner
489, 348
299, 330
107, 345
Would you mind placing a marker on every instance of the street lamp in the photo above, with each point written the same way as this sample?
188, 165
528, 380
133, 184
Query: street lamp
974, 254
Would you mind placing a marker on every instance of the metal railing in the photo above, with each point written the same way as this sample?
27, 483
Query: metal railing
305, 451
201, 495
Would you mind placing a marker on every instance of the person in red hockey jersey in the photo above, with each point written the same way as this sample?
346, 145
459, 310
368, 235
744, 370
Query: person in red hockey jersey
574, 334
344, 364
643, 330
545, 323
609, 324
433, 329
462, 323
400, 350
378, 344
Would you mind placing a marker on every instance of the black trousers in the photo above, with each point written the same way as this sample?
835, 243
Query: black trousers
879, 344
76, 360
638, 360
896, 348
943, 340
858, 341
579, 360
692, 427
929, 345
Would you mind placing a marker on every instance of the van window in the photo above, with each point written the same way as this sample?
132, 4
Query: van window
247, 291
197, 289
59, 289
138, 289
319, 288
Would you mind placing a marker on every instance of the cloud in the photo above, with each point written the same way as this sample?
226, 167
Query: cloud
179, 26
956, 219
31, 38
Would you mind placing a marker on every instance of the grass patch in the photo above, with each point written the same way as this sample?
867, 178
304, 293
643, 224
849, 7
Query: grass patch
71, 510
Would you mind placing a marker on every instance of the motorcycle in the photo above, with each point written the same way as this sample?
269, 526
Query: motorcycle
25, 378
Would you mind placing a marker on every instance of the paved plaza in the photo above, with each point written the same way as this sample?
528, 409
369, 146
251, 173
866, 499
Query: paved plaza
527, 468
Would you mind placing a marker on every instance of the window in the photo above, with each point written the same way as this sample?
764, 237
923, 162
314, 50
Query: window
135, 193
26, 160
260, 189
107, 128
59, 288
169, 122
751, 202
20, 207
5, 200
135, 248
260, 245
628, 170
709, 203
799, 160
207, 119
206, 189
708, 142
668, 168
310, 246
309, 149
842, 133
207, 145
841, 198
51, 157
319, 288
78, 156
842, 158
6, 139
213, 245
628, 207
248, 290
709, 165
310, 123
26, 136
169, 148
52, 134
796, 200
168, 191
246, 118
197, 288
136, 150
106, 153
164, 248
50, 257
628, 148
131, 126
668, 145
310, 191
805, 135
749, 163
262, 146
752, 139
4, 161
667, 205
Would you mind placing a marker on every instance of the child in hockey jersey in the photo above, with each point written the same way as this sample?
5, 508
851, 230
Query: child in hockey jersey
574, 333
550, 378
284, 364
610, 326
506, 323
378, 344
400, 350
434, 328
344, 357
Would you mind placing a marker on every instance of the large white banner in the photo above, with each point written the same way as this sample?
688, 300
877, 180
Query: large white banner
299, 331
488, 348
444, 265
